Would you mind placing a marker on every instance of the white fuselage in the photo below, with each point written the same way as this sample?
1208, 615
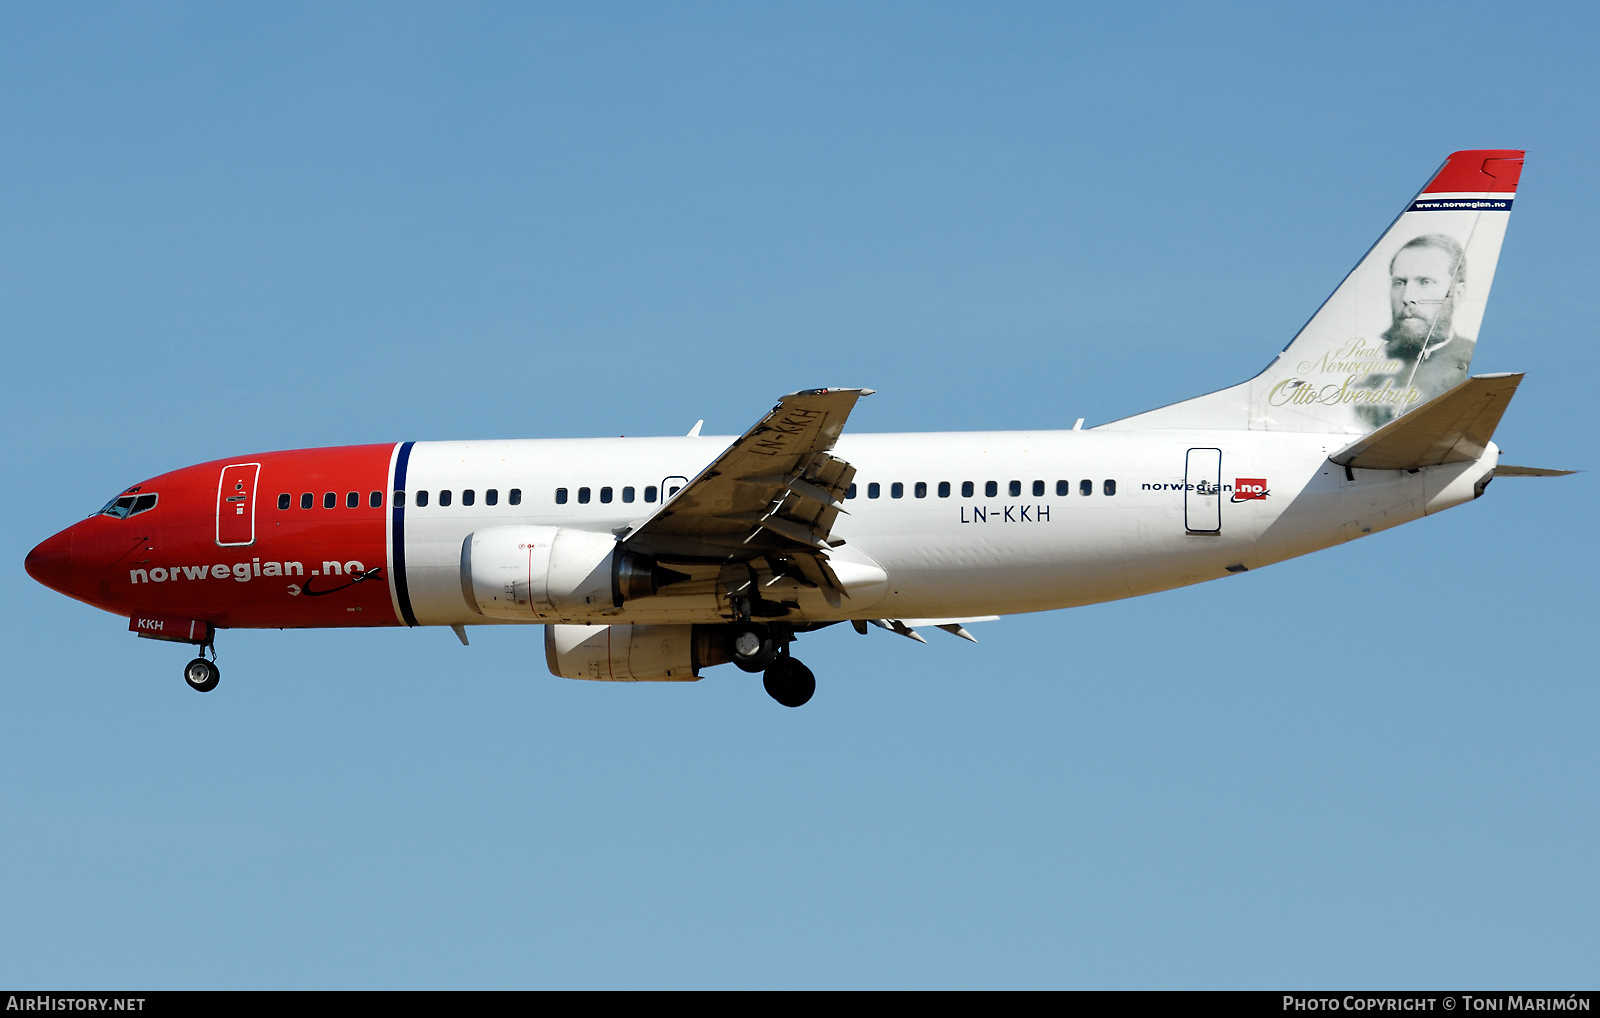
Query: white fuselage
949, 556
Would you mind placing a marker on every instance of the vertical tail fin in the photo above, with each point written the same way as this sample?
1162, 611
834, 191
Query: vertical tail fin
1398, 331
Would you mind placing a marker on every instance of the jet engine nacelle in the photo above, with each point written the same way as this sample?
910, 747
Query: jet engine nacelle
530, 572
633, 653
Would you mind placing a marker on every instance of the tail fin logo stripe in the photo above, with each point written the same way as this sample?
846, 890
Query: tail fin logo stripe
1460, 203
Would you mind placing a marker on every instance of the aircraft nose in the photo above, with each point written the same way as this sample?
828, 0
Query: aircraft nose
51, 563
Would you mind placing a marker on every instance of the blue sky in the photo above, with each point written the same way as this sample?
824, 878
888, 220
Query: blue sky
229, 228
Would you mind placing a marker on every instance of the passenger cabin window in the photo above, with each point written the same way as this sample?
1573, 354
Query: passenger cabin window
991, 488
515, 496
1063, 487
468, 496
375, 499
605, 494
1110, 487
422, 499
921, 490
561, 496
873, 490
1086, 487
627, 494
583, 496
305, 500
124, 506
850, 492
1038, 488
674, 490
491, 496
649, 493
445, 496
330, 499
966, 489
284, 500
944, 489
399, 500
1015, 487
897, 490
352, 499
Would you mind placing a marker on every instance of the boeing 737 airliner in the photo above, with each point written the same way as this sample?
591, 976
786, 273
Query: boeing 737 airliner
649, 559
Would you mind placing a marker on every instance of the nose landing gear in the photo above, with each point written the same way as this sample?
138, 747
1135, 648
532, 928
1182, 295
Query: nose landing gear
200, 674
203, 675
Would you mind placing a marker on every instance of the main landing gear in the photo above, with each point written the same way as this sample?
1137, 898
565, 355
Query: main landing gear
789, 682
756, 648
752, 648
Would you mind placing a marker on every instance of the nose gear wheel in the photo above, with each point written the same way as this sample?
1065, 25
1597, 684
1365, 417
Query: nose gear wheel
201, 675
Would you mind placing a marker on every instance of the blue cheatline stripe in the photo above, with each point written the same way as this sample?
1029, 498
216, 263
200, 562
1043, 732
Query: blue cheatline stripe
1426, 204
401, 591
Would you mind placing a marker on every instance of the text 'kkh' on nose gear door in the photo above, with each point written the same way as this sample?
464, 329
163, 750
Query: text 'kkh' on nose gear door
236, 504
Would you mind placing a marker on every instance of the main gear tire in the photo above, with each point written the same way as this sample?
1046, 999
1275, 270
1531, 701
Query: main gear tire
789, 682
751, 648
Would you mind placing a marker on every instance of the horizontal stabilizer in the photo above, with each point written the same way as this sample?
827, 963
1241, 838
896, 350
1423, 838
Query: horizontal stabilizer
1453, 427
1505, 470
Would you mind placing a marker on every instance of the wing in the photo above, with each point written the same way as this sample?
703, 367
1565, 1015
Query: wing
775, 491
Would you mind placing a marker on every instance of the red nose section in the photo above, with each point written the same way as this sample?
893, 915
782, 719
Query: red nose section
51, 563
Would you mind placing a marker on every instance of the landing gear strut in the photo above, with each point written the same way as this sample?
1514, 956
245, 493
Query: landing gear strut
202, 675
789, 682
758, 647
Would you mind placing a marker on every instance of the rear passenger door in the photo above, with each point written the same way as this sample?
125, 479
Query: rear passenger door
236, 504
1202, 491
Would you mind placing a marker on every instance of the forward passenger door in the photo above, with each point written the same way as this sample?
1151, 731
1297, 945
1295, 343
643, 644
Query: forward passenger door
236, 504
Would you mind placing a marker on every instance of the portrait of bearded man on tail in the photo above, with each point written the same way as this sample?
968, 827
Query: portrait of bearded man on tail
1426, 278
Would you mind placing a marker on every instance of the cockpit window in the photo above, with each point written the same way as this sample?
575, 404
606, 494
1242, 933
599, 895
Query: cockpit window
124, 506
